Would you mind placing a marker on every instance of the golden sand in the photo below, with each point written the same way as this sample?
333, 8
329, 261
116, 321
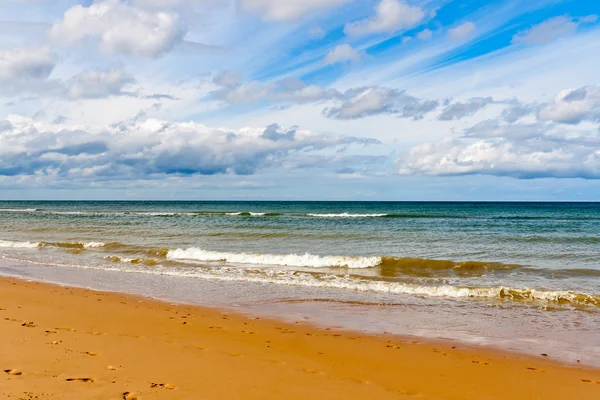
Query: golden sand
66, 343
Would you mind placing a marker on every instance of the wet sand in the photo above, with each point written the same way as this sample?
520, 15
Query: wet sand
68, 343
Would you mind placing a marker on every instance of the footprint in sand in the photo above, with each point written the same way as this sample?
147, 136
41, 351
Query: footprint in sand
162, 386
85, 380
65, 329
111, 368
13, 372
50, 332
29, 324
535, 369
130, 396
313, 371
91, 353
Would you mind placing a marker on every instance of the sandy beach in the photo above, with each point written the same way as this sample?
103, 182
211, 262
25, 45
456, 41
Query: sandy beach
70, 343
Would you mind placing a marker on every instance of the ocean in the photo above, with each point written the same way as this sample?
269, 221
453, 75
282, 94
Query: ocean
518, 276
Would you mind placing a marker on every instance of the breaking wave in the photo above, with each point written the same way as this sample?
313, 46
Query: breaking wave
290, 260
77, 245
19, 245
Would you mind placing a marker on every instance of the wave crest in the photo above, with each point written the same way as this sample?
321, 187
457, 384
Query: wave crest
19, 245
289, 260
347, 215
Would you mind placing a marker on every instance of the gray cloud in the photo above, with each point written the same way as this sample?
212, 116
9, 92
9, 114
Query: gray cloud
573, 106
460, 110
26, 64
137, 149
288, 90
98, 84
368, 101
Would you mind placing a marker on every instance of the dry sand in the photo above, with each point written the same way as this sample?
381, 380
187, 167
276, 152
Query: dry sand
66, 343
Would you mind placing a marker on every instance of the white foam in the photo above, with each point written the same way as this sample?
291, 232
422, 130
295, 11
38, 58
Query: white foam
91, 245
18, 245
290, 260
347, 215
17, 210
294, 278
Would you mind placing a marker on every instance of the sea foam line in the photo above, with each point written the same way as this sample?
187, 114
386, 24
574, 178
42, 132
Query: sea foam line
290, 278
289, 260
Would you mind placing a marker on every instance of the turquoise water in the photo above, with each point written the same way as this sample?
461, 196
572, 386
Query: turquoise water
506, 274
545, 246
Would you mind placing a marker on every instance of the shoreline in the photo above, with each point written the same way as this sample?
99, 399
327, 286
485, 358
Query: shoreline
153, 349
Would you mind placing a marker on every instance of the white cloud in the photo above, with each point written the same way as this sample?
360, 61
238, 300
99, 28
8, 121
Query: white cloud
286, 90
390, 16
425, 34
462, 32
227, 78
368, 101
119, 28
287, 10
547, 31
139, 149
316, 33
342, 54
573, 106
460, 110
27, 64
533, 158
98, 84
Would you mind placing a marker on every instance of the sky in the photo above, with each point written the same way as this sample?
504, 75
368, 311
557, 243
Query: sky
300, 100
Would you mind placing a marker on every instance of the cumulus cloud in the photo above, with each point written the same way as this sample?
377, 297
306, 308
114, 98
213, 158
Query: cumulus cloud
368, 101
138, 149
98, 84
26, 64
460, 110
342, 54
390, 16
462, 32
351, 104
524, 151
119, 28
288, 10
551, 29
573, 106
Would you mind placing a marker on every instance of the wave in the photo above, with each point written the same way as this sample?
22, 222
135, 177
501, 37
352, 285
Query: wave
131, 260
393, 266
18, 210
77, 245
19, 245
536, 297
289, 260
346, 215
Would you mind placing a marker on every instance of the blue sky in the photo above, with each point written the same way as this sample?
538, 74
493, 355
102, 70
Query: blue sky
302, 99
